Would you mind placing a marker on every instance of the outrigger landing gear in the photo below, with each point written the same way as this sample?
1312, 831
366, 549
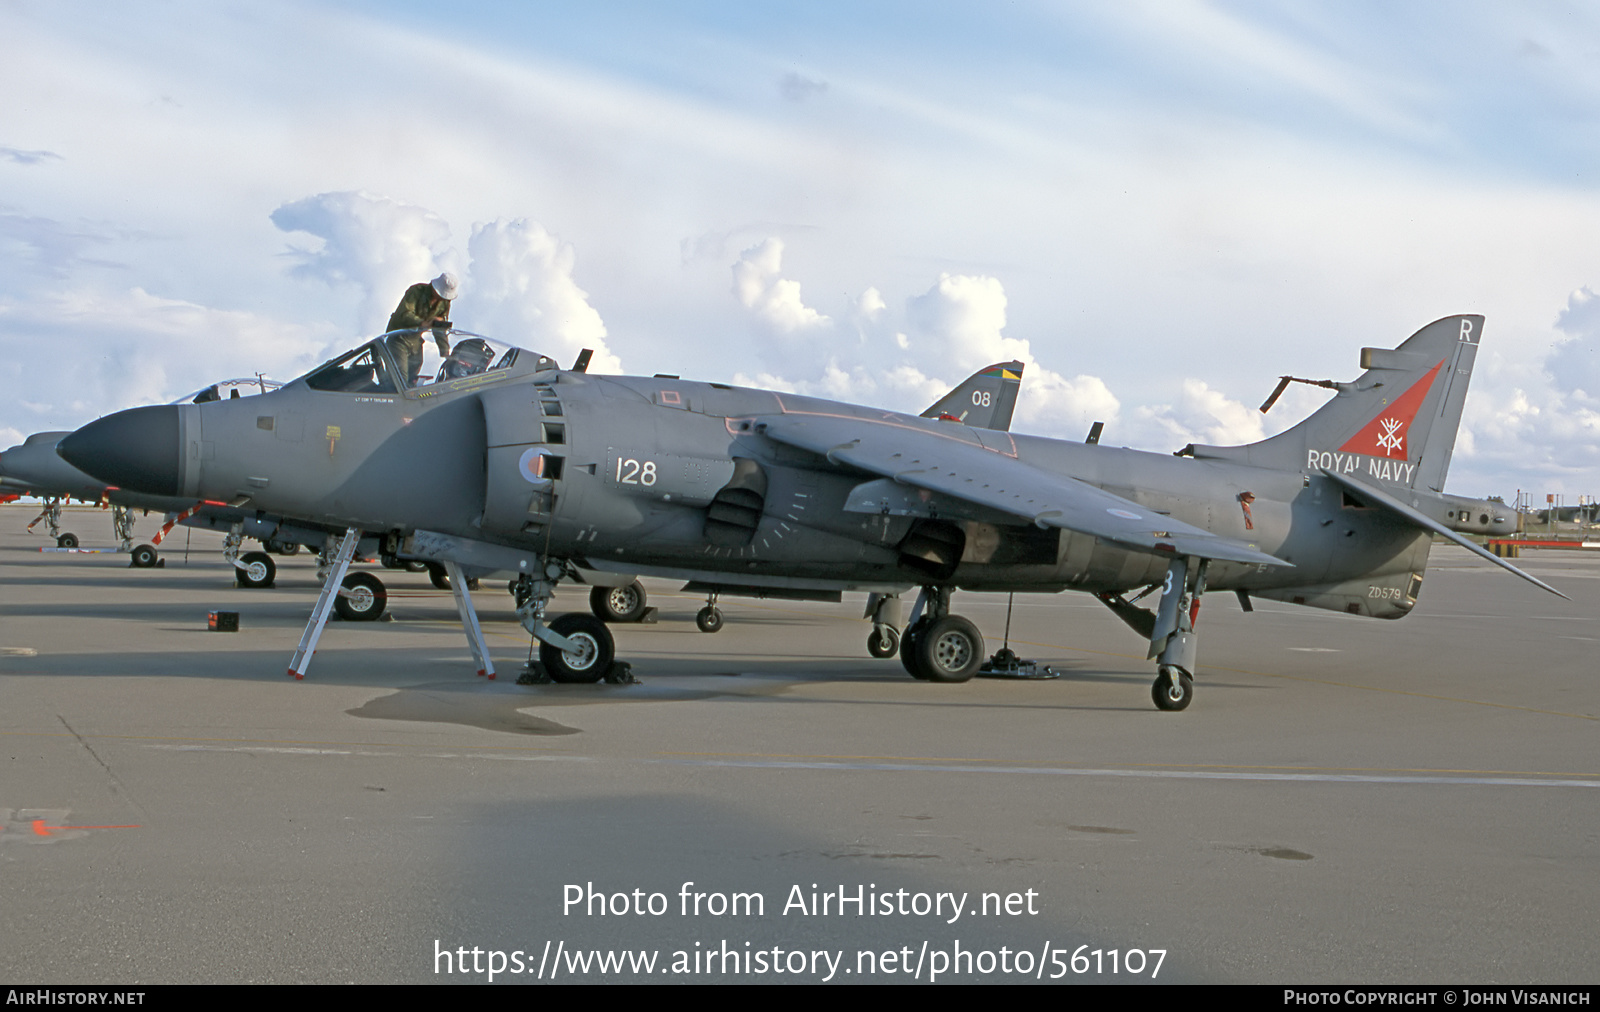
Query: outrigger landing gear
709, 618
884, 610
938, 646
1173, 643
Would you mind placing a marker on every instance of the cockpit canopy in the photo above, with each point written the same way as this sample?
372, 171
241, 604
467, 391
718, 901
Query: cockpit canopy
386, 365
231, 389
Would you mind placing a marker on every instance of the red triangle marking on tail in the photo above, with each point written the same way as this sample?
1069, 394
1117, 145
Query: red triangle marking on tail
1385, 435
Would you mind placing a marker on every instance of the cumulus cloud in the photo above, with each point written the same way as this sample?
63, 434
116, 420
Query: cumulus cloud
131, 347
775, 300
1202, 415
523, 291
380, 245
1573, 363
961, 319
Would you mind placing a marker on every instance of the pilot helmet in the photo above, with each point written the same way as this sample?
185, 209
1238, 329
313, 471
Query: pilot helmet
469, 357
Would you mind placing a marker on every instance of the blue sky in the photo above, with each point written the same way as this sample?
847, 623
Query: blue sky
1160, 206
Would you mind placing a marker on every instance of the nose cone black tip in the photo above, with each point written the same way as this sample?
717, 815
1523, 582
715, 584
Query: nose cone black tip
137, 449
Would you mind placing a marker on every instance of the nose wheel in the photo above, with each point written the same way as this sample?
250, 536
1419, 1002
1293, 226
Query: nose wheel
591, 654
254, 569
362, 598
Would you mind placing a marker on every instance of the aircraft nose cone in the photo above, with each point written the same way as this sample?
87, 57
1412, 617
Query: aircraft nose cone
137, 449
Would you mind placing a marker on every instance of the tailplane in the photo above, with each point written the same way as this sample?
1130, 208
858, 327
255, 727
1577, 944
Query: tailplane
1395, 425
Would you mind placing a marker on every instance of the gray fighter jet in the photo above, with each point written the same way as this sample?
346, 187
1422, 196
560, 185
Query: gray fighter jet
512, 463
34, 468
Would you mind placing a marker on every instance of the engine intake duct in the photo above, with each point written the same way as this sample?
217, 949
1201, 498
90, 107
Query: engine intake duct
735, 511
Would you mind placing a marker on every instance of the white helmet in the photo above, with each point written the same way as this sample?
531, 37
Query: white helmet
446, 286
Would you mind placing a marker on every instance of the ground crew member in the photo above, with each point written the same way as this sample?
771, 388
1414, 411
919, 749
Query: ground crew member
425, 306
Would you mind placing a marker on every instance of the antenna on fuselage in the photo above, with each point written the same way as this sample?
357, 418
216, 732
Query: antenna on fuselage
582, 364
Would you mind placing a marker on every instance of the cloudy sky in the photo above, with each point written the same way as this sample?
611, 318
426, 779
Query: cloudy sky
1159, 206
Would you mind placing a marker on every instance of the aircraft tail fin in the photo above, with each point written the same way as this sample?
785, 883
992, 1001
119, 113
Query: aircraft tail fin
984, 400
1395, 425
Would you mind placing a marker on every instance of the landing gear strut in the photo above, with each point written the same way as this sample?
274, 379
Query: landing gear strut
938, 646
122, 525
51, 515
1173, 642
253, 569
573, 647
709, 618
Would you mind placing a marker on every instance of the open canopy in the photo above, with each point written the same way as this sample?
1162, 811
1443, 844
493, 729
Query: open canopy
384, 364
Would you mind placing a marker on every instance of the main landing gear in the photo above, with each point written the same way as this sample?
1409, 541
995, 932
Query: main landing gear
620, 604
938, 646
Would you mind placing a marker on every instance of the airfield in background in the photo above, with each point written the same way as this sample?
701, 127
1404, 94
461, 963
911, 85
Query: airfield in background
1347, 799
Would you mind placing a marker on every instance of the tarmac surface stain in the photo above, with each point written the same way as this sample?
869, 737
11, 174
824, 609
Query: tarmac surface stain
445, 706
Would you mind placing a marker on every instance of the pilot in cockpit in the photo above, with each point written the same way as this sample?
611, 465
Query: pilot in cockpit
470, 357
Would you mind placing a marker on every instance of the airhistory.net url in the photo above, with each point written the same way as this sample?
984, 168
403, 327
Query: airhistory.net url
925, 962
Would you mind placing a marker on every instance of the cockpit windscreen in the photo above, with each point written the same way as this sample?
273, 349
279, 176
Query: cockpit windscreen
231, 389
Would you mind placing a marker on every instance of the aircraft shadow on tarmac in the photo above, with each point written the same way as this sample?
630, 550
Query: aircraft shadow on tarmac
658, 842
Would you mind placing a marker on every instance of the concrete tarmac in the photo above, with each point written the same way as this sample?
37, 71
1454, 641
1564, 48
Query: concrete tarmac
1347, 800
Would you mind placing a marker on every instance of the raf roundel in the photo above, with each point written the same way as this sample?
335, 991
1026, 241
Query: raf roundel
531, 464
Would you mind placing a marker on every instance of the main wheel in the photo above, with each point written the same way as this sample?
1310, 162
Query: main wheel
1168, 696
258, 570
883, 641
143, 556
363, 598
910, 656
282, 547
593, 653
709, 619
951, 650
618, 604
67, 541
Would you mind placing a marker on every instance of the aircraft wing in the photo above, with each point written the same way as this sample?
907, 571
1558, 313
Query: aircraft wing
1422, 520
957, 461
